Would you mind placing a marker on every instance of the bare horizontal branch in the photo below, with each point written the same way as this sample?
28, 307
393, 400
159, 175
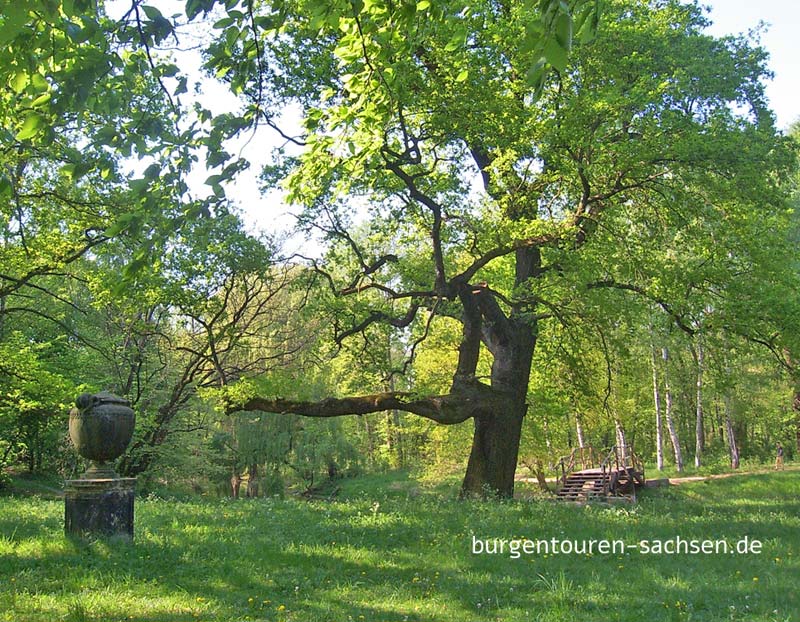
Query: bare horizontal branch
501, 251
445, 409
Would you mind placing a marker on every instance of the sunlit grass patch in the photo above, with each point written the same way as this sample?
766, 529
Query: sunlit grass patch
398, 557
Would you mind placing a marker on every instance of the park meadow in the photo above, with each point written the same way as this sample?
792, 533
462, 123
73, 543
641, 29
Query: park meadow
396, 311
388, 549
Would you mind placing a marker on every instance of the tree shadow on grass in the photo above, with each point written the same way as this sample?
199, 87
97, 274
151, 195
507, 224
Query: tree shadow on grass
403, 561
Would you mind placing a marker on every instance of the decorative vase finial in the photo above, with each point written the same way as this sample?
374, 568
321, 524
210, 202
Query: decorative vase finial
101, 426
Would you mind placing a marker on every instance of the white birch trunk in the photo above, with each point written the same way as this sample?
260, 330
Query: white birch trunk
700, 439
732, 448
659, 424
673, 432
579, 431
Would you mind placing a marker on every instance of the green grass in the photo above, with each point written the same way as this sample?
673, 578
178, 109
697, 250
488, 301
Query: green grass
389, 550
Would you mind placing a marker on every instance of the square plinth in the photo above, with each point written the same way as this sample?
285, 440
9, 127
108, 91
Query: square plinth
99, 507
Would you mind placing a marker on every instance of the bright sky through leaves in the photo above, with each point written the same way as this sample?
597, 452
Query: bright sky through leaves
779, 37
782, 19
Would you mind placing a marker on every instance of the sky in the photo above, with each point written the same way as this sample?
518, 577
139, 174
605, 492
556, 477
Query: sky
781, 39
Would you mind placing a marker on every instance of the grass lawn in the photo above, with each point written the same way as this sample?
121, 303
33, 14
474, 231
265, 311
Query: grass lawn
390, 551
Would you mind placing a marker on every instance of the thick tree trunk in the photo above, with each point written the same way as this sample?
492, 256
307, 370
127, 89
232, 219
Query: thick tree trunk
493, 458
495, 442
659, 423
495, 448
673, 432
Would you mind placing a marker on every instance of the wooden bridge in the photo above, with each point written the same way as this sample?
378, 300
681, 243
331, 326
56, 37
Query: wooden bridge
585, 475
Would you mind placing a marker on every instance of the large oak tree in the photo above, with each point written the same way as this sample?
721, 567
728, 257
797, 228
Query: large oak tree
642, 166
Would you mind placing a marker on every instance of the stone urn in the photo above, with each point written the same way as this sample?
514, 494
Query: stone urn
101, 426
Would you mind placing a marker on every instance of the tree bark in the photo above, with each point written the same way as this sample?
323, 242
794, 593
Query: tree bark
579, 431
796, 408
511, 340
673, 432
455, 407
495, 441
732, 447
657, 402
699, 424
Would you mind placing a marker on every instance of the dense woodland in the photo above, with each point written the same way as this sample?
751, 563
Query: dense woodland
531, 226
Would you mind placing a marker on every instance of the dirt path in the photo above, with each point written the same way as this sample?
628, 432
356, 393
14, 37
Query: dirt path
700, 478
677, 481
27, 485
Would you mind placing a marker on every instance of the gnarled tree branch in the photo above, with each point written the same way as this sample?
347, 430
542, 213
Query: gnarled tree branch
452, 408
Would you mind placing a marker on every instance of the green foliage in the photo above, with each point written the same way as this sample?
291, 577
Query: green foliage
635, 154
35, 389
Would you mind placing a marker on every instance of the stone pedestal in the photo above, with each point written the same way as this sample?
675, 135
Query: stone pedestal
99, 507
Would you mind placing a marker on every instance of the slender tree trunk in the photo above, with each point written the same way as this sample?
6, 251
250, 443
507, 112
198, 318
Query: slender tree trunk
252, 480
570, 444
657, 402
732, 448
12, 444
796, 408
236, 484
370, 441
699, 424
400, 441
619, 431
394, 435
579, 431
673, 432
548, 443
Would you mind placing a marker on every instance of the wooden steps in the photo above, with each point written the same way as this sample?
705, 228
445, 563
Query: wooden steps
582, 486
598, 483
614, 477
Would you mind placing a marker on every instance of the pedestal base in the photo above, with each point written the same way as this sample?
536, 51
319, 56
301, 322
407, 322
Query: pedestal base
99, 507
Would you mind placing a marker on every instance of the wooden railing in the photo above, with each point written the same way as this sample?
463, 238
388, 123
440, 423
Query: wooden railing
616, 459
579, 458
620, 457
